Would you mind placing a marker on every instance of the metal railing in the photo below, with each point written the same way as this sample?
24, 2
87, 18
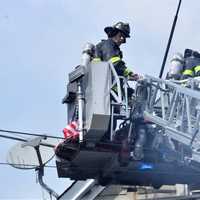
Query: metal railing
119, 99
176, 108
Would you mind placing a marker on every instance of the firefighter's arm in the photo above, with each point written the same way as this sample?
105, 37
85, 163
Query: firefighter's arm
122, 70
131, 75
115, 57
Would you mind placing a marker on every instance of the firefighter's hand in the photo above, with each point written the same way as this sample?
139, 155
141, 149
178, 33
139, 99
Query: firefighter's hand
134, 77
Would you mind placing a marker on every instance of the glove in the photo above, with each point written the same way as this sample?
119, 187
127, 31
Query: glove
133, 77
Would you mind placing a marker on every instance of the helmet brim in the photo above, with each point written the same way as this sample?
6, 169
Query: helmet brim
125, 34
109, 30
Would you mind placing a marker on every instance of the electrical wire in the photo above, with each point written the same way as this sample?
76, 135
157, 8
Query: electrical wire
30, 134
24, 140
128, 170
13, 138
27, 165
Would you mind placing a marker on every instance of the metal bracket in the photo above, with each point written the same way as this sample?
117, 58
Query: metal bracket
35, 143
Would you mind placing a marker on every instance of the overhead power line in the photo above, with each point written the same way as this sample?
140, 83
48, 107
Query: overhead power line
24, 140
30, 134
13, 138
170, 39
26, 165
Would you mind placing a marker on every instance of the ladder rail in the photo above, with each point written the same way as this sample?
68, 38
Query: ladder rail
178, 112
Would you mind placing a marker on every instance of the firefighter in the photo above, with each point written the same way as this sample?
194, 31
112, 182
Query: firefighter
196, 54
176, 67
109, 50
189, 64
192, 64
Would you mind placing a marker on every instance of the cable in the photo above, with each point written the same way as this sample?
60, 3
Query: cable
30, 134
13, 138
6, 163
24, 140
170, 39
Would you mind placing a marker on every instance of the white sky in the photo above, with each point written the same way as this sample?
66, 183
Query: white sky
41, 41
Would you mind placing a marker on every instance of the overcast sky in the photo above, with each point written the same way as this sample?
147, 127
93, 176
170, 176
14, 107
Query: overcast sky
41, 41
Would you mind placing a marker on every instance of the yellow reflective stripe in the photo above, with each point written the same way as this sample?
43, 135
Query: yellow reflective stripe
188, 72
127, 72
115, 59
197, 68
96, 59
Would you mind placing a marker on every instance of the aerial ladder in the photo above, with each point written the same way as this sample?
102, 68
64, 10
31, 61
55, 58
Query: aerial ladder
174, 106
157, 115
173, 110
166, 112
